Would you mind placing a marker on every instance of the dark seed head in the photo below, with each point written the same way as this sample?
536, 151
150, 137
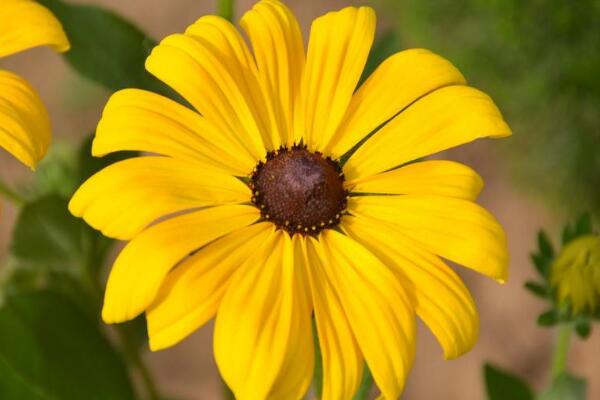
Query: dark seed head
299, 191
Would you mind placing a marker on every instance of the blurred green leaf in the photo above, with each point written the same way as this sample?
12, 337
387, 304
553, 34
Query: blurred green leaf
541, 263
566, 387
501, 385
47, 235
50, 350
584, 225
569, 233
105, 47
89, 165
366, 383
583, 327
549, 318
545, 245
318, 370
56, 174
537, 289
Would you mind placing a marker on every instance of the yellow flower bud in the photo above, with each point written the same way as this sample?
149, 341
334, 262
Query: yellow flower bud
576, 274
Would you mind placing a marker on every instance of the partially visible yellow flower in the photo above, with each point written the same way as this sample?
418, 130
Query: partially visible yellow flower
260, 224
24, 123
576, 274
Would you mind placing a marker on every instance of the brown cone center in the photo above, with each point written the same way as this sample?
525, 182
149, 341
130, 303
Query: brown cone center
299, 191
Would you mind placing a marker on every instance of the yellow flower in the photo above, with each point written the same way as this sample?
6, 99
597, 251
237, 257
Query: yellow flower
24, 122
260, 225
576, 274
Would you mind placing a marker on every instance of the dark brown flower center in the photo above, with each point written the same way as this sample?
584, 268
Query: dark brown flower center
299, 191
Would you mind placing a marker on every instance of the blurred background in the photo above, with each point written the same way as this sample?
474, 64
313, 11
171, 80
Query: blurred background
540, 61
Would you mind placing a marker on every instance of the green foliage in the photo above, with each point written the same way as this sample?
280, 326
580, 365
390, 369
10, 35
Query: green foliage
539, 61
548, 318
105, 47
501, 385
49, 349
566, 387
48, 236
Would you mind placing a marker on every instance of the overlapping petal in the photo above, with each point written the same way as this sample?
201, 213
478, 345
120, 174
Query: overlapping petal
263, 340
192, 293
441, 299
455, 229
435, 177
377, 306
24, 122
142, 265
125, 197
271, 25
338, 48
396, 83
25, 24
213, 69
448, 117
341, 356
139, 120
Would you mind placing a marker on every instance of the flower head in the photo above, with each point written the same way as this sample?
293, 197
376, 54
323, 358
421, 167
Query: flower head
248, 214
24, 122
576, 274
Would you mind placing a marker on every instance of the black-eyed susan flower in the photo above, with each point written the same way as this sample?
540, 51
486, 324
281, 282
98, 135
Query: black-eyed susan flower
576, 274
246, 213
24, 122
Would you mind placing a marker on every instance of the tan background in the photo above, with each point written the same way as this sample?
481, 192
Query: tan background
509, 336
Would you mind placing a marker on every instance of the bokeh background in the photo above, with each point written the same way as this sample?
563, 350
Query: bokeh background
540, 60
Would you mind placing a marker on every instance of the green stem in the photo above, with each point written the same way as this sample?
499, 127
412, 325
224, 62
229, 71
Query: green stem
133, 356
225, 9
11, 195
561, 349
128, 345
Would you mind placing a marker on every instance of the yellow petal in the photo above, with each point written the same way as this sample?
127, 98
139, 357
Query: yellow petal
377, 306
448, 117
395, 84
436, 177
342, 359
25, 24
24, 122
143, 121
455, 229
263, 340
191, 294
441, 299
126, 196
213, 69
337, 52
142, 265
279, 51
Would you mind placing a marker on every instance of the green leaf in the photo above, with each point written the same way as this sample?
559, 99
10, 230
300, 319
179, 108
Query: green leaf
541, 263
89, 165
568, 233
583, 327
47, 235
549, 318
318, 370
50, 350
566, 387
366, 383
537, 289
105, 47
501, 385
545, 245
584, 225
